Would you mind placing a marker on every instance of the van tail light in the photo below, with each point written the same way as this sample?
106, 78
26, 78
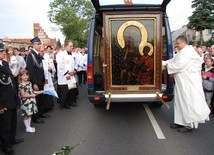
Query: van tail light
96, 98
90, 74
164, 97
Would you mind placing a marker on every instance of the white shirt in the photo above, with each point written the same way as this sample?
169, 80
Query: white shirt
14, 66
82, 62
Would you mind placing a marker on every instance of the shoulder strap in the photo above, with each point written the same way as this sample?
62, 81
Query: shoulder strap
36, 62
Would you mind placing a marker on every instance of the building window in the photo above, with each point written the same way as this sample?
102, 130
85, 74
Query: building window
209, 31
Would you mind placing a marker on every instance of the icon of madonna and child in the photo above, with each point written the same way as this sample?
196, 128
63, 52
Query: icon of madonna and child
133, 64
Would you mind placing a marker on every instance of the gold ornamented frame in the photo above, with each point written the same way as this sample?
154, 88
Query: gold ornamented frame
130, 40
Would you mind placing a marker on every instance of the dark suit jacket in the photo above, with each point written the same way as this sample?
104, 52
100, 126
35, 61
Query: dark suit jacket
8, 92
36, 73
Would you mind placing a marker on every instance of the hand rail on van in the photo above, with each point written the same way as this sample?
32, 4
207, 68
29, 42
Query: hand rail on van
164, 103
109, 96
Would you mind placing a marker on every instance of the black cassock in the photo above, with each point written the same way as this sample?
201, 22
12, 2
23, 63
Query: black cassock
66, 97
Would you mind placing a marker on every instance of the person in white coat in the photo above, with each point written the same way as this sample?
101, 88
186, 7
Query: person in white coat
49, 72
190, 107
66, 88
82, 67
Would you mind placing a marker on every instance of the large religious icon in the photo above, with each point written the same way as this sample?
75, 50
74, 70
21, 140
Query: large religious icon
133, 52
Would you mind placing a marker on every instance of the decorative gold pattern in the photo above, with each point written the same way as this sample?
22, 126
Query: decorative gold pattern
144, 36
156, 38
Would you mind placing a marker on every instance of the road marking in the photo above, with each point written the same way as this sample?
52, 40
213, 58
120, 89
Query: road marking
155, 125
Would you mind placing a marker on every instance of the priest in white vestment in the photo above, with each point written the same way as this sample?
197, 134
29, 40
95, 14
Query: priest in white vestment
66, 88
49, 72
190, 107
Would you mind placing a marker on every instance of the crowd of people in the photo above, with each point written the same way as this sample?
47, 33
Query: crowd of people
27, 75
27, 81
207, 72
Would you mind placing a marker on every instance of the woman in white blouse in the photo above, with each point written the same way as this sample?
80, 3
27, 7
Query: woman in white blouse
20, 59
13, 62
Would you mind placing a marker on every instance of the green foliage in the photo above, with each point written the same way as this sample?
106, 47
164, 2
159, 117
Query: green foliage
73, 18
209, 43
66, 150
191, 43
203, 16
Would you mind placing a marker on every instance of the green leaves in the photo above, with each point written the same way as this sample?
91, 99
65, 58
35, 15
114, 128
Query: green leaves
73, 18
203, 16
66, 150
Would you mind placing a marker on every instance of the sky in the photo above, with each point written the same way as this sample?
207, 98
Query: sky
17, 17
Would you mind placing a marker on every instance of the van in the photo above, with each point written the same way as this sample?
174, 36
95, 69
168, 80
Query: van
126, 45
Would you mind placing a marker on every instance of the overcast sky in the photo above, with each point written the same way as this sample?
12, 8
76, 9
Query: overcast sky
17, 17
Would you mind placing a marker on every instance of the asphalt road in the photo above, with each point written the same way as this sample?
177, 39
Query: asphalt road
126, 129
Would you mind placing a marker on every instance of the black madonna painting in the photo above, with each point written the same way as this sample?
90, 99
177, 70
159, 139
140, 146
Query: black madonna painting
133, 51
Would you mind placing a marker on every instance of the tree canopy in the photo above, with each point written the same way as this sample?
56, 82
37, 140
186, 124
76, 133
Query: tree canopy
73, 19
203, 16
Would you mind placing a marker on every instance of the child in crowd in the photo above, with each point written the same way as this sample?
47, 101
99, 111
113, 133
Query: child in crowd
208, 79
205, 57
28, 101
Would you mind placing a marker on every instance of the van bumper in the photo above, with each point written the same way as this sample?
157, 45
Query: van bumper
132, 97
100, 98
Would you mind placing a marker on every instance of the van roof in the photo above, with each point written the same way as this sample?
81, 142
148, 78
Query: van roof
104, 5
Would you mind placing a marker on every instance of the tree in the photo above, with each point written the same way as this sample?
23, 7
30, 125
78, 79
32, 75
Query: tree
203, 16
73, 19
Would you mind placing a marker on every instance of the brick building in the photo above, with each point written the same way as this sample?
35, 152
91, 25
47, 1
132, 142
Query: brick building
38, 31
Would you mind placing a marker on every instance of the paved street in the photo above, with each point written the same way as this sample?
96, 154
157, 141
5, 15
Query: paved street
126, 129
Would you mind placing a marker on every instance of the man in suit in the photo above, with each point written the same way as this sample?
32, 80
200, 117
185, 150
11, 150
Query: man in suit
37, 78
9, 101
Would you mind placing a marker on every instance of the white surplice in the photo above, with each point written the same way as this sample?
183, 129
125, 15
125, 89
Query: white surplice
65, 63
190, 107
47, 62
